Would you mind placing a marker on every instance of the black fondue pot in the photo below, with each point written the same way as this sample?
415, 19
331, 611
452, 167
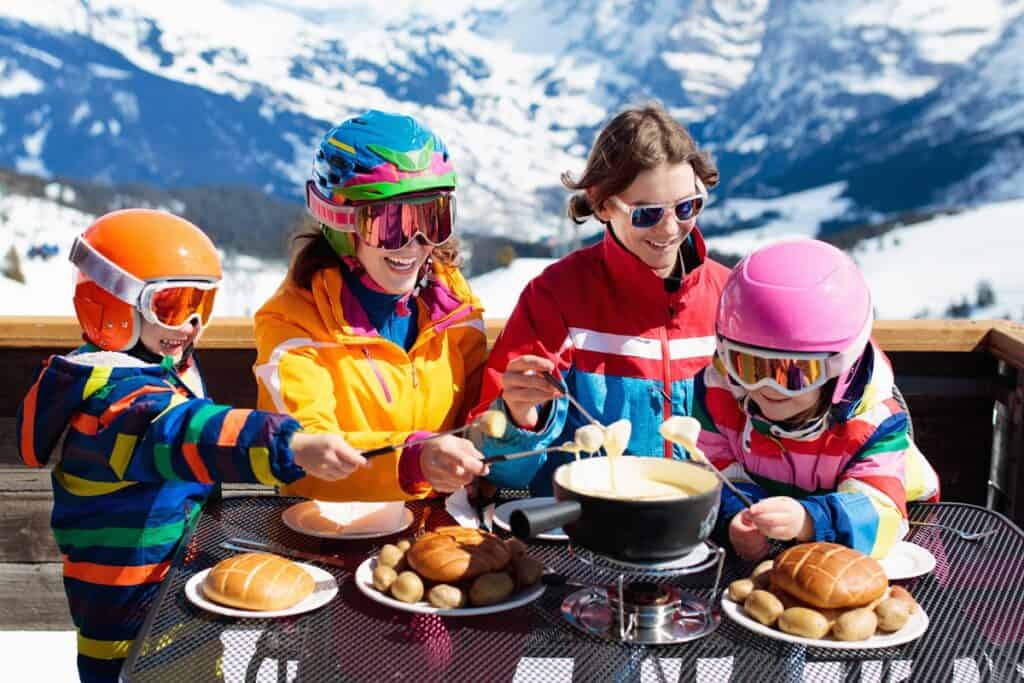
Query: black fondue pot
634, 530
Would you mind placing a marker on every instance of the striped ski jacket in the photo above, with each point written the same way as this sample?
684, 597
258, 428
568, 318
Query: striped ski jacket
854, 474
141, 454
625, 346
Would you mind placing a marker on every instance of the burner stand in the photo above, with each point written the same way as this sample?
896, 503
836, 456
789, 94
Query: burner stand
642, 611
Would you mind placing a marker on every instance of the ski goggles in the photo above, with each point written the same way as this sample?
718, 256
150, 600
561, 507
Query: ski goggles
788, 373
645, 216
173, 304
389, 224
169, 303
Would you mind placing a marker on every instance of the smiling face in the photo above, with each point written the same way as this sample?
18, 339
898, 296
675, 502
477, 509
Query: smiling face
657, 246
165, 342
395, 271
778, 407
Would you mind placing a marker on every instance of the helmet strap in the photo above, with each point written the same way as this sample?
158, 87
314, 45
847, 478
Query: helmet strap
342, 243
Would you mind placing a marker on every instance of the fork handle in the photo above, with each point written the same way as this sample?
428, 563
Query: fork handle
289, 552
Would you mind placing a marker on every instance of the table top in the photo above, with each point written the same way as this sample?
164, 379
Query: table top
974, 599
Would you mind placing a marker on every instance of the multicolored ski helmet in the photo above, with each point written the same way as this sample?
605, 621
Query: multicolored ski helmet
138, 264
378, 156
802, 296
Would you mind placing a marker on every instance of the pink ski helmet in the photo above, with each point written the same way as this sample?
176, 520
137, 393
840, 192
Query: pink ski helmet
800, 296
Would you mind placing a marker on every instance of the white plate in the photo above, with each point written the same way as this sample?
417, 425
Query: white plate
364, 581
912, 630
326, 588
292, 515
907, 560
503, 512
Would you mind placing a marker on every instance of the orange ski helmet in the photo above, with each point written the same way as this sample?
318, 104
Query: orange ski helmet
137, 264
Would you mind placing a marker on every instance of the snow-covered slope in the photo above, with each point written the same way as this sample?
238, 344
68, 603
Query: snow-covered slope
48, 286
918, 270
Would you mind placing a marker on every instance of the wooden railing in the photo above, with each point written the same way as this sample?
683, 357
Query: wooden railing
962, 381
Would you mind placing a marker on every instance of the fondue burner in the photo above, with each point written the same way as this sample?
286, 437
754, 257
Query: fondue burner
641, 611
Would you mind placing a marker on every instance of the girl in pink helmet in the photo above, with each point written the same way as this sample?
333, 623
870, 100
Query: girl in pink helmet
798, 407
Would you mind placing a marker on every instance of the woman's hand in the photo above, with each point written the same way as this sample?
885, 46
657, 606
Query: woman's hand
782, 518
523, 389
450, 463
749, 543
325, 456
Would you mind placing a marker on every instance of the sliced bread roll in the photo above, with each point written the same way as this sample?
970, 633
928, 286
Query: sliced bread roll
258, 581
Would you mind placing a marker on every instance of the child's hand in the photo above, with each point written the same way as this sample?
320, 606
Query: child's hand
325, 456
450, 463
523, 389
782, 518
749, 543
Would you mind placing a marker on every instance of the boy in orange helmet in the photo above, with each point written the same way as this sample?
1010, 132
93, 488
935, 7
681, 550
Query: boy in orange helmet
144, 446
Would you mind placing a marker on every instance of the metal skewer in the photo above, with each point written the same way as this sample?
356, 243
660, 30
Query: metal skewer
684, 434
373, 452
554, 381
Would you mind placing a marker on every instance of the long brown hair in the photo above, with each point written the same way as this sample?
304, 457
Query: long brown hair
636, 140
311, 252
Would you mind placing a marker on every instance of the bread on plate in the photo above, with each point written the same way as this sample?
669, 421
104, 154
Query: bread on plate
258, 581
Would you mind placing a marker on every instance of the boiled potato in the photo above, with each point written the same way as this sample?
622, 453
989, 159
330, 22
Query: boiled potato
383, 577
490, 588
803, 621
516, 548
390, 555
528, 570
901, 593
763, 606
408, 587
446, 597
404, 545
762, 567
855, 624
893, 614
740, 589
493, 423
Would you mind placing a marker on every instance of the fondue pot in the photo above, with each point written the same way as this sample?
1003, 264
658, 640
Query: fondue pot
627, 526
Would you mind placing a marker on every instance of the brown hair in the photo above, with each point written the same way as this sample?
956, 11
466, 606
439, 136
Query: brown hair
312, 252
636, 140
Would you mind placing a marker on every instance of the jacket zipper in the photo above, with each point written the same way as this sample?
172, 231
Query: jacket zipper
377, 372
666, 392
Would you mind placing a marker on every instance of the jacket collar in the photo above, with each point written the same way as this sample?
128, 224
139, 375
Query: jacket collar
441, 302
634, 277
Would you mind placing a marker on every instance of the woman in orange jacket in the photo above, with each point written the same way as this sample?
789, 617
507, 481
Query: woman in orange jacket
375, 334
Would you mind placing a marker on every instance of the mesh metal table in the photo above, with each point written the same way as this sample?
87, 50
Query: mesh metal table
974, 599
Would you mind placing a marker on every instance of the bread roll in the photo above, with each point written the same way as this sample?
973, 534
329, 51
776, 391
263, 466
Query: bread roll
451, 554
829, 575
258, 581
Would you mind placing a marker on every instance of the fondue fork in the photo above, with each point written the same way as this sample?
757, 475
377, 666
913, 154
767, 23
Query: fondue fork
521, 454
249, 545
554, 381
684, 431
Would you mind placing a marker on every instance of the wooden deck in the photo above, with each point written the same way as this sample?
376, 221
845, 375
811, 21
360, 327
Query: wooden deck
962, 380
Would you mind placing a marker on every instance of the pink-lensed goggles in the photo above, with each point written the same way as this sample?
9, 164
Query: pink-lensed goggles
389, 224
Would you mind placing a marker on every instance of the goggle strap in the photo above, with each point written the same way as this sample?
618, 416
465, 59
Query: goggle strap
337, 216
105, 272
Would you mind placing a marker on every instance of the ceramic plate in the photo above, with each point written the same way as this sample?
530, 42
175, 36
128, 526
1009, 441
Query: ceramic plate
293, 515
326, 588
912, 630
364, 581
907, 560
505, 510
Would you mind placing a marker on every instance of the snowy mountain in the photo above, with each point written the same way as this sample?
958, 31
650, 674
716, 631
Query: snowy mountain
980, 276
791, 95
